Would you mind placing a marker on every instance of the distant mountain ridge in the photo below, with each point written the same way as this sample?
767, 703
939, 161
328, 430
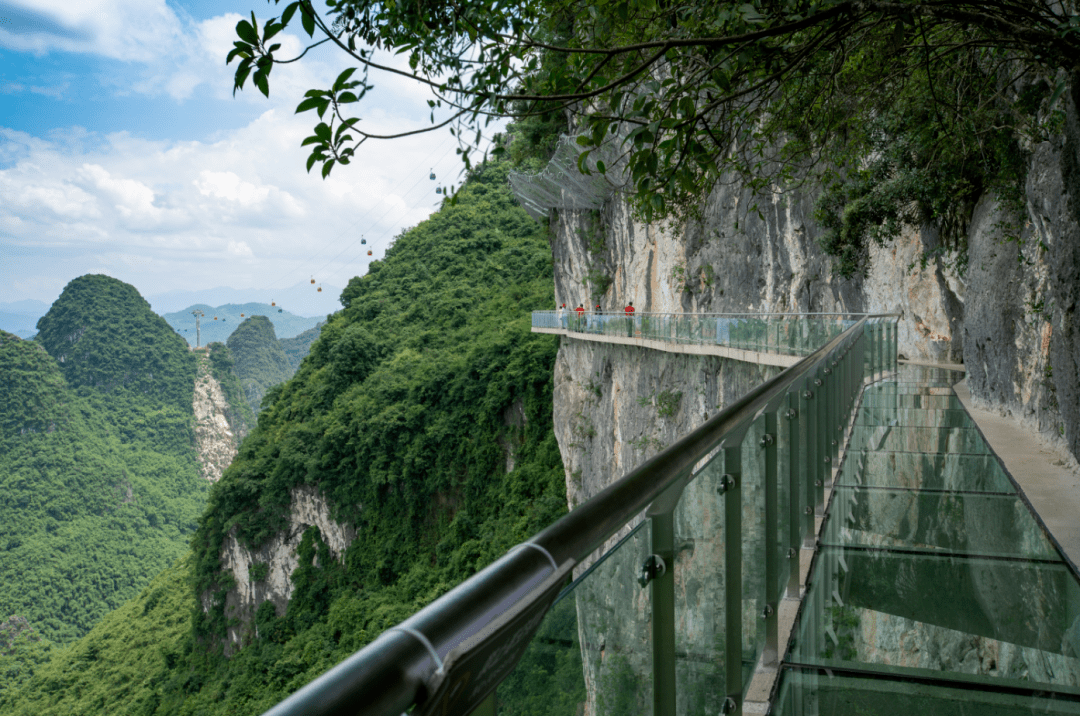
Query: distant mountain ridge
219, 322
302, 299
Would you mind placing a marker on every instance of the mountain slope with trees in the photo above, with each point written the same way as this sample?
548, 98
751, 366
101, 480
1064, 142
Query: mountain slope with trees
412, 400
99, 486
258, 360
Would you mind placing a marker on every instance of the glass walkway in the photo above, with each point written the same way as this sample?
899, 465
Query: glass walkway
934, 590
840, 540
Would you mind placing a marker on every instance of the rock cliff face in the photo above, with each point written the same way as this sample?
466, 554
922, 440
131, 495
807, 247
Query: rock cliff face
264, 574
214, 439
1010, 317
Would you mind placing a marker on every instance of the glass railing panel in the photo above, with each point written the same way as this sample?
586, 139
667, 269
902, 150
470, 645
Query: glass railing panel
983, 524
614, 635
976, 619
970, 473
888, 438
913, 417
700, 566
819, 691
549, 680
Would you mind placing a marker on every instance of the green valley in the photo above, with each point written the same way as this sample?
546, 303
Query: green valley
422, 414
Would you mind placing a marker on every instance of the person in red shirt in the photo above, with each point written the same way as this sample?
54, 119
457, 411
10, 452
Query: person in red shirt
580, 310
629, 310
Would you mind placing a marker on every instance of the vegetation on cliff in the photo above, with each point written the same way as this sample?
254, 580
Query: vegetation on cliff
297, 347
423, 413
99, 485
259, 361
239, 413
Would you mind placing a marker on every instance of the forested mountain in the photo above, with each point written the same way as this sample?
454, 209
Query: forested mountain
217, 323
423, 415
297, 347
99, 485
259, 361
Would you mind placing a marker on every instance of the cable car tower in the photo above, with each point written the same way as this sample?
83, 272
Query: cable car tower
198, 314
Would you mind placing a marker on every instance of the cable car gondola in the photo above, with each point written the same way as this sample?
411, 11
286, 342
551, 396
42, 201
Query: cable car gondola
320, 289
438, 190
369, 252
273, 303
279, 310
432, 176
363, 241
312, 279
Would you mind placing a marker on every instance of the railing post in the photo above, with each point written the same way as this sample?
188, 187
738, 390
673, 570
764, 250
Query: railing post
770, 655
733, 617
796, 491
821, 435
807, 488
663, 616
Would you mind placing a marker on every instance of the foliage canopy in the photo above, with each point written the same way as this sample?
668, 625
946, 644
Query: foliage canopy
941, 94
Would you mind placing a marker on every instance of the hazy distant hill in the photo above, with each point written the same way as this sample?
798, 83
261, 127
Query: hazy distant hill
21, 317
303, 299
228, 317
299, 346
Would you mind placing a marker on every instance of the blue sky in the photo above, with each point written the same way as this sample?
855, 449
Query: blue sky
123, 151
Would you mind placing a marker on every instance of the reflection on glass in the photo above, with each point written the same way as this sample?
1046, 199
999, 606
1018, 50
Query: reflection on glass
979, 473
990, 525
913, 417
912, 400
813, 691
981, 620
613, 616
699, 594
548, 681
887, 438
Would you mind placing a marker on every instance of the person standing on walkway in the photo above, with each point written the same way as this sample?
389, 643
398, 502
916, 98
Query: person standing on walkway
629, 310
599, 319
560, 315
580, 311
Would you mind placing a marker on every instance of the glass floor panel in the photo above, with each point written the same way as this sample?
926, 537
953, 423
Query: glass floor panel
913, 417
887, 438
910, 400
909, 388
976, 619
912, 470
819, 691
990, 525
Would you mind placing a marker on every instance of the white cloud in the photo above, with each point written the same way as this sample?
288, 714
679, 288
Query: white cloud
129, 30
239, 211
229, 186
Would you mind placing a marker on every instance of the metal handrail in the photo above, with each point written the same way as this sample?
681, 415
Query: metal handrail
485, 622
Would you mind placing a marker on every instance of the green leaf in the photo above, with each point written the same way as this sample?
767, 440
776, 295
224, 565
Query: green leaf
307, 104
327, 167
322, 131
343, 78
308, 20
259, 79
246, 32
346, 98
290, 10
311, 159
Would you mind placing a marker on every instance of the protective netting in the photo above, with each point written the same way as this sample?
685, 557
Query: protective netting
561, 185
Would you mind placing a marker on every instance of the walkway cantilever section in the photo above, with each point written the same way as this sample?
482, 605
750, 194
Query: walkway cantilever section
778, 339
768, 454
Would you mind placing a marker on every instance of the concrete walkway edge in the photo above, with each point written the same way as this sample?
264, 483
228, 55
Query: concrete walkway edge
1046, 481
